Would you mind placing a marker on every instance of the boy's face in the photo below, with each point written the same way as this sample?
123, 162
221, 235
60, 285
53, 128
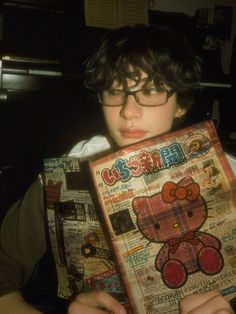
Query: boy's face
132, 123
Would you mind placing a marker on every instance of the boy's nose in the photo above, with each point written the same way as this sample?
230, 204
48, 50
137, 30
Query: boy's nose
131, 109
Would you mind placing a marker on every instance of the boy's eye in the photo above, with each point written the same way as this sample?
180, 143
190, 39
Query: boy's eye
150, 91
114, 92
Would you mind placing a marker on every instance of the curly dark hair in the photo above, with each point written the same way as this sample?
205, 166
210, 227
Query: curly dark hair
161, 52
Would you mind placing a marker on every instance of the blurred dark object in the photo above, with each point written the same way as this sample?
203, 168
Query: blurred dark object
180, 21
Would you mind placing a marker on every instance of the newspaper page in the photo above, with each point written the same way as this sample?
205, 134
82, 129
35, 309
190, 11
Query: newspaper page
132, 12
100, 13
115, 13
83, 260
168, 206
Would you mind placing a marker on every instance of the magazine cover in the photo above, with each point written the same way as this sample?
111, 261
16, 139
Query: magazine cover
168, 208
83, 260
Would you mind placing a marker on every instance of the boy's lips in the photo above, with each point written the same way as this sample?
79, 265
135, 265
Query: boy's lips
132, 133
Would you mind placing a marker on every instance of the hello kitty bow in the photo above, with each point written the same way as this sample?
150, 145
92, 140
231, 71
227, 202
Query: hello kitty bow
172, 191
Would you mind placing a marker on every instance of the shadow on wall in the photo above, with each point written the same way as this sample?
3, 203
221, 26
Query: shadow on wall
41, 126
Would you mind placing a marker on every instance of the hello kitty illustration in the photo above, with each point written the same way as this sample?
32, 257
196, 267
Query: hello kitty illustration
173, 217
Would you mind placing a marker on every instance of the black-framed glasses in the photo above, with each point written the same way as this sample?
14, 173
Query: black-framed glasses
147, 97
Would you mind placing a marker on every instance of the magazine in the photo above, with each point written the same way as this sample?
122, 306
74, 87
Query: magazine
168, 210
83, 259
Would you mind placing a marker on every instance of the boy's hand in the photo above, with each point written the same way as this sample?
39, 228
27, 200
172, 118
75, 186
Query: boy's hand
210, 302
96, 302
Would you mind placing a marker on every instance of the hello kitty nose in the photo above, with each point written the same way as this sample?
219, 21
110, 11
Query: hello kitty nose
176, 225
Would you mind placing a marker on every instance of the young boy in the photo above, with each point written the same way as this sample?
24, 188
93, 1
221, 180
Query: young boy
143, 78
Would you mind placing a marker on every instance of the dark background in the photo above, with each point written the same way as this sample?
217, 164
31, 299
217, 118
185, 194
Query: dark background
45, 115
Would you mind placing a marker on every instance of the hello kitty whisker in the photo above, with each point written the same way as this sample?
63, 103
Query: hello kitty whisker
211, 201
141, 238
136, 231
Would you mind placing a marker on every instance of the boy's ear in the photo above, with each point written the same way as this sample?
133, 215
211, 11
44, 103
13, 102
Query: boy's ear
180, 112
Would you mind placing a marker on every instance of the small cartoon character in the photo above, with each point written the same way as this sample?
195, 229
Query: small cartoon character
174, 217
195, 145
214, 181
